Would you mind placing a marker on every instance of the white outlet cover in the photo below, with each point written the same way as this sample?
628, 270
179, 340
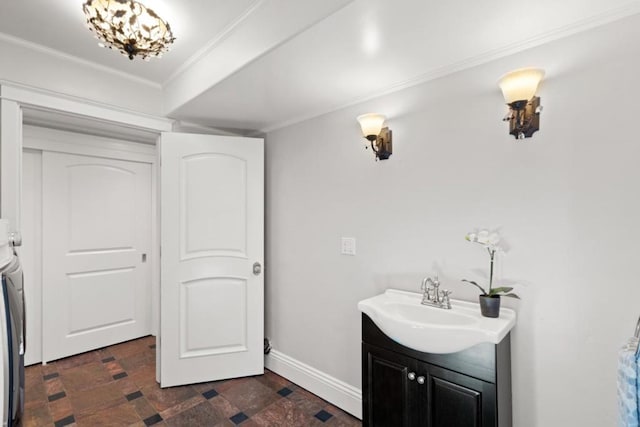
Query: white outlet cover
348, 246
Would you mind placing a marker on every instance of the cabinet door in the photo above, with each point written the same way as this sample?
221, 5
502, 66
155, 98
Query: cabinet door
456, 400
388, 393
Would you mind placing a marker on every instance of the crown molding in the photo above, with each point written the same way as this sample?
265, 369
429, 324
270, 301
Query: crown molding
214, 42
629, 9
61, 55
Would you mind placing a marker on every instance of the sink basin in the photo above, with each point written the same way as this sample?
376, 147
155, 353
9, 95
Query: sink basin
402, 318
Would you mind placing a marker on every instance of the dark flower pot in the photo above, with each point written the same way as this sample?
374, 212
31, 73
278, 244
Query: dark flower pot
490, 305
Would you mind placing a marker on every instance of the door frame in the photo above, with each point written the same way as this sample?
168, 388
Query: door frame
40, 139
17, 100
16, 103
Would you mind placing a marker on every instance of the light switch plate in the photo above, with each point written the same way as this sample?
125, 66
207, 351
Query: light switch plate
348, 246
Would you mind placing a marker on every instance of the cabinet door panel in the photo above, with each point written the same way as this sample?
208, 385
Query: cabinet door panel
456, 400
387, 388
453, 405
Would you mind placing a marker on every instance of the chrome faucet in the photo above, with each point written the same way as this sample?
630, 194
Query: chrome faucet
433, 296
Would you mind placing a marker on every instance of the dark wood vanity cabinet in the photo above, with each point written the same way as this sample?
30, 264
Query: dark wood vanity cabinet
402, 387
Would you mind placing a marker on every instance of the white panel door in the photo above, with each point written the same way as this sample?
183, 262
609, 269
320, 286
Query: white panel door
96, 238
212, 300
31, 252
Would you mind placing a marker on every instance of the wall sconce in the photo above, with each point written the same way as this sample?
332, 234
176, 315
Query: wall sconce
379, 137
519, 89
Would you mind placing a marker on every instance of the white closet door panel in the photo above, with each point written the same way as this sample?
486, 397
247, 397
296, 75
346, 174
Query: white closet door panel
31, 252
113, 210
91, 292
96, 228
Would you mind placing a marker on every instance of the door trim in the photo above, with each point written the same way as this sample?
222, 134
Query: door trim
45, 139
43, 99
14, 98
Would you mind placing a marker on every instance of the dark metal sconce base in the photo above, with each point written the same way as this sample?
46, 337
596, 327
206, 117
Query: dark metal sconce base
383, 146
524, 119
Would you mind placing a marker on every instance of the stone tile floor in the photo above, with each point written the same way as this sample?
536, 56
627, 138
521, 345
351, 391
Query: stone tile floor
115, 386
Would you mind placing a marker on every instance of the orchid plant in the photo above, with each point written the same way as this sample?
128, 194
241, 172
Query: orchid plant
491, 241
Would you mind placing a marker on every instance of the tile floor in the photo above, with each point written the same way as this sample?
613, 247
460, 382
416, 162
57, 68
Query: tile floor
115, 386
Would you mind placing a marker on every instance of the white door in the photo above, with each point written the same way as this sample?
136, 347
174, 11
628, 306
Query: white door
31, 252
96, 241
212, 209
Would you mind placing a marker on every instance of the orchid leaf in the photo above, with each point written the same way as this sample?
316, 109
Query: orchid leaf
476, 285
501, 290
511, 296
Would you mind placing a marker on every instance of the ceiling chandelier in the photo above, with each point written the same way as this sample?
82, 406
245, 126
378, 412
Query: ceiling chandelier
129, 27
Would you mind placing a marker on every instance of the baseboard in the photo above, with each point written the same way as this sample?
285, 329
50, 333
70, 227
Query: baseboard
331, 389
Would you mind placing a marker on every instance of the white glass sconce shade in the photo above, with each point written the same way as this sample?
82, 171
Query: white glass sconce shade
520, 85
371, 124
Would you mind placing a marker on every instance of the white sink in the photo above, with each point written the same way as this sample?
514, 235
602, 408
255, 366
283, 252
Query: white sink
402, 318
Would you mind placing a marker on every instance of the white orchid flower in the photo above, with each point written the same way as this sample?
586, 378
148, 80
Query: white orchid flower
483, 237
494, 240
489, 239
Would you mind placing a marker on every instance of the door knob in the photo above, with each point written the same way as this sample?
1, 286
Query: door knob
411, 376
257, 268
420, 380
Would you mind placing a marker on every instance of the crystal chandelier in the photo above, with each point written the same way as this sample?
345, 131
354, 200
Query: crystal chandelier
129, 27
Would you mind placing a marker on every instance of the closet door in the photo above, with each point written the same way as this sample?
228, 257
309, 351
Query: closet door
96, 237
31, 251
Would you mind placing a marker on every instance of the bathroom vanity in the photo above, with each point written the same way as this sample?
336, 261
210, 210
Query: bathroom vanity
406, 387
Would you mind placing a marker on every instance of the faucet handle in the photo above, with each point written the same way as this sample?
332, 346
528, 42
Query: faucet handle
445, 297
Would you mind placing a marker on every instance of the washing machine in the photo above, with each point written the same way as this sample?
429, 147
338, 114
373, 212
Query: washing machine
12, 330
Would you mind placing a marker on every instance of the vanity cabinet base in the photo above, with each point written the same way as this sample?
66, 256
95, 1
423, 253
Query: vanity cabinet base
402, 387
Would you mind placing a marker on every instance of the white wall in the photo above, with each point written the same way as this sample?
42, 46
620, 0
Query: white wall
567, 200
46, 69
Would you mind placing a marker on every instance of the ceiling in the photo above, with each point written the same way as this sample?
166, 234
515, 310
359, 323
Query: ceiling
257, 65
61, 25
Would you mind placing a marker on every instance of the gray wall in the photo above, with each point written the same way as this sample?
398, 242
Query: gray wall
566, 200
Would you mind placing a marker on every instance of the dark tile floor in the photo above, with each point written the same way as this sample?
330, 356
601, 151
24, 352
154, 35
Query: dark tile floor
116, 386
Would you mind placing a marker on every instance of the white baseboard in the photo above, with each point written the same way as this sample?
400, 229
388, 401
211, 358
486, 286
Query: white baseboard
331, 389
